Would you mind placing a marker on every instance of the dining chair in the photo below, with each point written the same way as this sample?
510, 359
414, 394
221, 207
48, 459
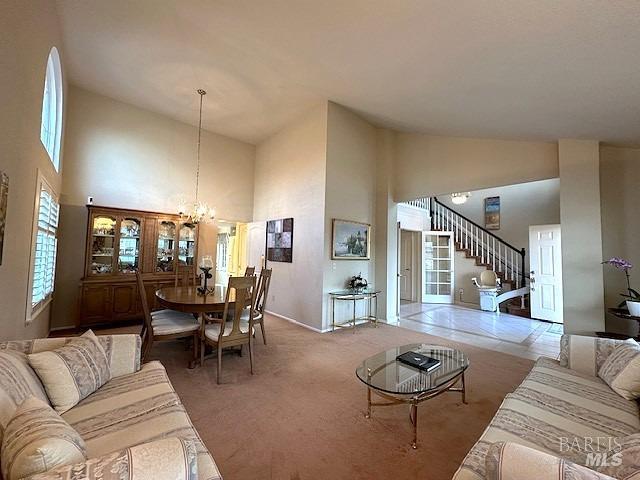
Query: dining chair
261, 300
185, 276
237, 331
249, 271
165, 324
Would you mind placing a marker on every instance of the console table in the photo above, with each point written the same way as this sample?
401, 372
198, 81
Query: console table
369, 295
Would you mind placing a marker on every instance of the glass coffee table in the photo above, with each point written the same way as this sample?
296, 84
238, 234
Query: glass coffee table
399, 383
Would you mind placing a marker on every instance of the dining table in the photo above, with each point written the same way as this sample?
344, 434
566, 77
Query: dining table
190, 300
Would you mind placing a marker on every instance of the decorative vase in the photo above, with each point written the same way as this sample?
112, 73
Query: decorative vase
634, 308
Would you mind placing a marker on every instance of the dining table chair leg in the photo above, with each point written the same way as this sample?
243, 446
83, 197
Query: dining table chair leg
202, 349
250, 356
219, 363
264, 338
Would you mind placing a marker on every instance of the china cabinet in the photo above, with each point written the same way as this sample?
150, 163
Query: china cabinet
121, 241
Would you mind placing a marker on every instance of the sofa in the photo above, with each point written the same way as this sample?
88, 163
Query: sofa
137, 406
562, 408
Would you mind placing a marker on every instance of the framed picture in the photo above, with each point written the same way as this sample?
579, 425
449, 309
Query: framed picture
350, 240
280, 240
4, 195
492, 213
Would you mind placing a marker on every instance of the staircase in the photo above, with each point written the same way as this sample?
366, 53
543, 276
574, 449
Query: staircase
482, 246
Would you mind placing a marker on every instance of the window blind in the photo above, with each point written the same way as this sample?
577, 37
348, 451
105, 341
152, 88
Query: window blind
44, 265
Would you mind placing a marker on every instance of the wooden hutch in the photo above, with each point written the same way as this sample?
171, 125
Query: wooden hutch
120, 241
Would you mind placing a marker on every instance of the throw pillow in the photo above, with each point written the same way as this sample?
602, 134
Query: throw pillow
38, 439
621, 370
512, 461
172, 458
585, 354
73, 371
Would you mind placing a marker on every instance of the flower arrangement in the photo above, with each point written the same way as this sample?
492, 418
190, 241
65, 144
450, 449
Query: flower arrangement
357, 283
624, 265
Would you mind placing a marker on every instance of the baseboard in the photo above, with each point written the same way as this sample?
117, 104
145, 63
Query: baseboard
317, 330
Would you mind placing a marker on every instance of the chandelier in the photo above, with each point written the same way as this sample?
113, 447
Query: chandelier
197, 211
460, 198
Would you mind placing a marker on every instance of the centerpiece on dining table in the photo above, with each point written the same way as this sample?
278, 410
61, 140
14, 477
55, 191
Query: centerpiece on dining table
206, 265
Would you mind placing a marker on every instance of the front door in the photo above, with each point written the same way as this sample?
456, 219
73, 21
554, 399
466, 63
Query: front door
545, 262
437, 267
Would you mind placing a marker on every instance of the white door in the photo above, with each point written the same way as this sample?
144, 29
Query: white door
545, 262
256, 241
437, 267
406, 265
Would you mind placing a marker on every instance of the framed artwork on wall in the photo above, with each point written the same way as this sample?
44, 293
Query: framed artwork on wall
350, 240
492, 213
280, 240
4, 196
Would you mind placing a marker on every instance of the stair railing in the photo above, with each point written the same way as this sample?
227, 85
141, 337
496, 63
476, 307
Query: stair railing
490, 249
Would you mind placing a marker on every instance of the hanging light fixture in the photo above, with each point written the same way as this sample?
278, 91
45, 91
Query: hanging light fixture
460, 197
197, 211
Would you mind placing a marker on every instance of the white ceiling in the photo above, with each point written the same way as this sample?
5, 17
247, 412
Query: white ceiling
536, 69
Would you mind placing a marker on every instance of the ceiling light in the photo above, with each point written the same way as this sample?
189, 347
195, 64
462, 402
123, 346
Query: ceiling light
460, 198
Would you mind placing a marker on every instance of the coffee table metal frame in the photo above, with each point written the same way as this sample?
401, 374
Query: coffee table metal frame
412, 399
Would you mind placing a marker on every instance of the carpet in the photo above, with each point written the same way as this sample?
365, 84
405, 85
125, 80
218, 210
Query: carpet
301, 416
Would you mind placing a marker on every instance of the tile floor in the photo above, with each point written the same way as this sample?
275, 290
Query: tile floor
519, 336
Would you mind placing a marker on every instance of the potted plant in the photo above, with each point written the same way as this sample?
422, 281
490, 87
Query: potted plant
632, 296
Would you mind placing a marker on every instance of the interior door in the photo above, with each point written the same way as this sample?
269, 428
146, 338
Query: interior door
545, 262
437, 267
406, 265
256, 235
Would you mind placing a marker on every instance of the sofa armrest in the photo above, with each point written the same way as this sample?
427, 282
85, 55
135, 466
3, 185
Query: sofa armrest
585, 354
512, 461
166, 459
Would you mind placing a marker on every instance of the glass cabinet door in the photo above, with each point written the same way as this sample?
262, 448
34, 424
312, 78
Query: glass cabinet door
187, 244
166, 250
103, 233
129, 251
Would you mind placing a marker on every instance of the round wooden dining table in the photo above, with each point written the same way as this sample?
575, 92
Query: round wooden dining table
187, 299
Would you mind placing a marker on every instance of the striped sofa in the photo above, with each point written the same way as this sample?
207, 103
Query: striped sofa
138, 405
561, 408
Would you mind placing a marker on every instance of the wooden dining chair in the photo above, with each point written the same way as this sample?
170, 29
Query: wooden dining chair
165, 324
185, 276
261, 300
249, 271
237, 331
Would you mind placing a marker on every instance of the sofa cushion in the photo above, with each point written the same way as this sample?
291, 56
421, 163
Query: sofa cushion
621, 370
18, 382
73, 371
37, 439
511, 461
554, 410
623, 459
585, 354
171, 458
123, 350
133, 409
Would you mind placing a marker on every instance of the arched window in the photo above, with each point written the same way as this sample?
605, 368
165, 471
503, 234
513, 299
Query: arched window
51, 127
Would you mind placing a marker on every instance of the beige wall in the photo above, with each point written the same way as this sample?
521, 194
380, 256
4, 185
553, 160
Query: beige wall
620, 203
350, 195
521, 205
28, 30
430, 165
127, 157
290, 180
583, 289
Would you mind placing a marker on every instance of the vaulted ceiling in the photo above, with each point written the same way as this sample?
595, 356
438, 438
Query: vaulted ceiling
536, 69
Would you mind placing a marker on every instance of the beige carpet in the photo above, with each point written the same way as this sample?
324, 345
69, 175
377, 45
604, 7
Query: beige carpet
301, 415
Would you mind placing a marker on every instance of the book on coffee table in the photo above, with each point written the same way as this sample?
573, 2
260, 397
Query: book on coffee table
418, 360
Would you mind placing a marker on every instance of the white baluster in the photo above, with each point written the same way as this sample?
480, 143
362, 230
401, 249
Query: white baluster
493, 253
